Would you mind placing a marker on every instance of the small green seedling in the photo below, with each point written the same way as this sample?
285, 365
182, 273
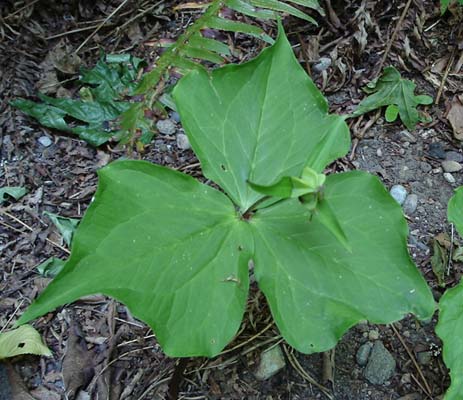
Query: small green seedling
327, 252
398, 94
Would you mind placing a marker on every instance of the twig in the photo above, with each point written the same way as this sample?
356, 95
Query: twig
412, 357
124, 2
304, 374
12, 316
32, 230
249, 340
393, 37
88, 28
444, 78
21, 9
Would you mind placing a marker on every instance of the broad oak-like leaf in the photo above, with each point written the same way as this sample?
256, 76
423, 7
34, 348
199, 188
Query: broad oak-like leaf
398, 94
450, 324
178, 252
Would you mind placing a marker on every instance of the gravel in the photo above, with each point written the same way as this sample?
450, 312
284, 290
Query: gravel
410, 204
45, 141
454, 156
182, 142
322, 65
449, 177
451, 166
380, 366
363, 353
166, 126
399, 193
271, 362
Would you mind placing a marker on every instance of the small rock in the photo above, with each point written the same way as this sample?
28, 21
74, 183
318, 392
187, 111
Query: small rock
436, 150
406, 136
381, 365
410, 204
271, 362
451, 166
175, 116
166, 126
379, 153
406, 378
363, 353
424, 357
454, 156
449, 177
406, 334
182, 142
425, 167
373, 335
322, 65
412, 396
399, 193
45, 141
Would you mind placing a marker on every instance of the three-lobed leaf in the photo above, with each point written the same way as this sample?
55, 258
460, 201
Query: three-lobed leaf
391, 90
178, 252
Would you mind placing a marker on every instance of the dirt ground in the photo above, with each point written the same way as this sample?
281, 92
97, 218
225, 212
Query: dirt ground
99, 350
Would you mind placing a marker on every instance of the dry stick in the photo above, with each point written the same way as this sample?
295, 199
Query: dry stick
444, 78
141, 14
12, 316
101, 25
88, 28
21, 9
32, 230
394, 34
304, 374
412, 357
249, 340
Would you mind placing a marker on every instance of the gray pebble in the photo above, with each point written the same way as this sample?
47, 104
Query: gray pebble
425, 167
182, 142
166, 126
322, 65
45, 141
363, 353
406, 136
271, 361
381, 365
424, 357
410, 204
436, 150
373, 335
449, 177
454, 156
451, 166
399, 193
175, 116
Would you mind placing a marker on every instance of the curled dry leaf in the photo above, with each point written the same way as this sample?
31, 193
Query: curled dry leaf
455, 116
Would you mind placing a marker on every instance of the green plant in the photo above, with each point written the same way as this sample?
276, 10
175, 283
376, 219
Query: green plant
444, 4
117, 105
398, 94
450, 323
103, 100
178, 252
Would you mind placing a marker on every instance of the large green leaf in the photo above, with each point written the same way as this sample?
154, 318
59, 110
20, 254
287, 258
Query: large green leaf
450, 324
259, 121
455, 210
449, 329
170, 248
177, 252
316, 287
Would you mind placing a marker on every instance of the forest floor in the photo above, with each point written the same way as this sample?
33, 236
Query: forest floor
99, 350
